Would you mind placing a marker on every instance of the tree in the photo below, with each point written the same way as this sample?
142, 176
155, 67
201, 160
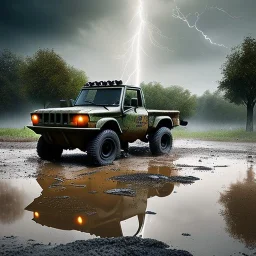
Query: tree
78, 78
239, 77
10, 84
214, 108
166, 98
47, 77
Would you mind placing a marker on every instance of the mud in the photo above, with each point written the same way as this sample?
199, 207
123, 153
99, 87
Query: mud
196, 167
112, 246
121, 192
199, 199
154, 179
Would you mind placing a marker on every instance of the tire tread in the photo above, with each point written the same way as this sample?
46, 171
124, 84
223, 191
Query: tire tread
93, 147
155, 138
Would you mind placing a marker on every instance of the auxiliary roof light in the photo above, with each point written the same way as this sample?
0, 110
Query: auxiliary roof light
111, 83
104, 83
118, 82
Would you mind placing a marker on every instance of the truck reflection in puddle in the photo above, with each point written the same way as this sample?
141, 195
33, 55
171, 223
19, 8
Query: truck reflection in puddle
81, 203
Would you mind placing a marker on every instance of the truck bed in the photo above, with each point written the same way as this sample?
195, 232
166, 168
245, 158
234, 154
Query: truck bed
170, 113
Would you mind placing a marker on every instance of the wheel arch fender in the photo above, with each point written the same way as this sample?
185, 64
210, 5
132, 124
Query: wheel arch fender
163, 121
109, 123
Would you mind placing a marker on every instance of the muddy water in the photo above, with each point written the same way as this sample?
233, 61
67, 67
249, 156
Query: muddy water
65, 202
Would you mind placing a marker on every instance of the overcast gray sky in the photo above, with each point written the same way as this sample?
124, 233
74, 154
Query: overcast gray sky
91, 35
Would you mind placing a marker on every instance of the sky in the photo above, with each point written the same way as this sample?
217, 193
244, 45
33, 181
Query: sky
93, 35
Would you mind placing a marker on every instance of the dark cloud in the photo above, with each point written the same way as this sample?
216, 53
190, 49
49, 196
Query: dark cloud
54, 17
90, 34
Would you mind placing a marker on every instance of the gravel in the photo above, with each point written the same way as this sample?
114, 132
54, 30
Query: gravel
147, 177
121, 192
122, 246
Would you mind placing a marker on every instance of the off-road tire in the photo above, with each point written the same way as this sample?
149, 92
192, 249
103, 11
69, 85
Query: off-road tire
160, 142
48, 151
104, 148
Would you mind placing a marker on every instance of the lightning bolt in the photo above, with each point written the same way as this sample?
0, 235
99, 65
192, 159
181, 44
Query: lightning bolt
179, 15
134, 46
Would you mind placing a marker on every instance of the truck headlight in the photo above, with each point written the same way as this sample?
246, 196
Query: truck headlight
35, 119
81, 120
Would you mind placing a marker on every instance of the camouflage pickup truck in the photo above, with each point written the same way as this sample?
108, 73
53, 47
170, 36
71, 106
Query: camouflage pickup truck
105, 118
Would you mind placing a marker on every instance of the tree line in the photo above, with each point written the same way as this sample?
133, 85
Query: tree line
237, 86
39, 79
46, 77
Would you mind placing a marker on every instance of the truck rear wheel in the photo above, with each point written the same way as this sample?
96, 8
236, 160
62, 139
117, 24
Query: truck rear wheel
48, 151
160, 142
104, 148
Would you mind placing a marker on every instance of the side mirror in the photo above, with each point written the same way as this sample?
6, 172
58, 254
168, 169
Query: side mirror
71, 103
134, 102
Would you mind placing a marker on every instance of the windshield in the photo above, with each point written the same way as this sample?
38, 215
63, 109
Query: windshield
99, 97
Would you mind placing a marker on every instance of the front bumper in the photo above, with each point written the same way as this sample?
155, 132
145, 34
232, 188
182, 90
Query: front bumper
43, 129
67, 137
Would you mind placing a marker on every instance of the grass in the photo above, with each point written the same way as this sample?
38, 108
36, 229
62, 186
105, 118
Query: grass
14, 134
216, 135
25, 134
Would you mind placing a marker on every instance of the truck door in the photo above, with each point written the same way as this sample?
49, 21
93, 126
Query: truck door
135, 118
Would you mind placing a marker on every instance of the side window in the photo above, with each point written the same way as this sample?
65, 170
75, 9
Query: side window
132, 99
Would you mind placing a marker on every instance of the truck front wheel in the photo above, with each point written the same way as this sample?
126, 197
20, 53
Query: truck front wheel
104, 148
160, 142
48, 151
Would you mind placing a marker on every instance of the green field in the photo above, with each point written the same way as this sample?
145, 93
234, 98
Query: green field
216, 135
25, 134
14, 134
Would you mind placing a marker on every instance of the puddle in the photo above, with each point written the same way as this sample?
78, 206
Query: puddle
213, 216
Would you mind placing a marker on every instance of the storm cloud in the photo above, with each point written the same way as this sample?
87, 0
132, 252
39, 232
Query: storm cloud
91, 35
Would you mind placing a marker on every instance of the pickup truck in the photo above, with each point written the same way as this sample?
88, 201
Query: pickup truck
102, 121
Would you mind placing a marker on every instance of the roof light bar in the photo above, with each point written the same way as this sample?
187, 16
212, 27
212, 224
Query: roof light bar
104, 83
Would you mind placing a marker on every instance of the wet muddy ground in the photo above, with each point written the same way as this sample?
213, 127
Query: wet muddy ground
201, 198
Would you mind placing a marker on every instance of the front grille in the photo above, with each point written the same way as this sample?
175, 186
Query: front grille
58, 118
46, 118
55, 119
52, 118
65, 119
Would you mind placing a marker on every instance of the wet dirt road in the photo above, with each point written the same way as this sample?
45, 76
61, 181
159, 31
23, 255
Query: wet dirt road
67, 201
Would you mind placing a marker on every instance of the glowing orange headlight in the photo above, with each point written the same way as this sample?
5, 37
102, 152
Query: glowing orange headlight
81, 120
36, 215
35, 119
